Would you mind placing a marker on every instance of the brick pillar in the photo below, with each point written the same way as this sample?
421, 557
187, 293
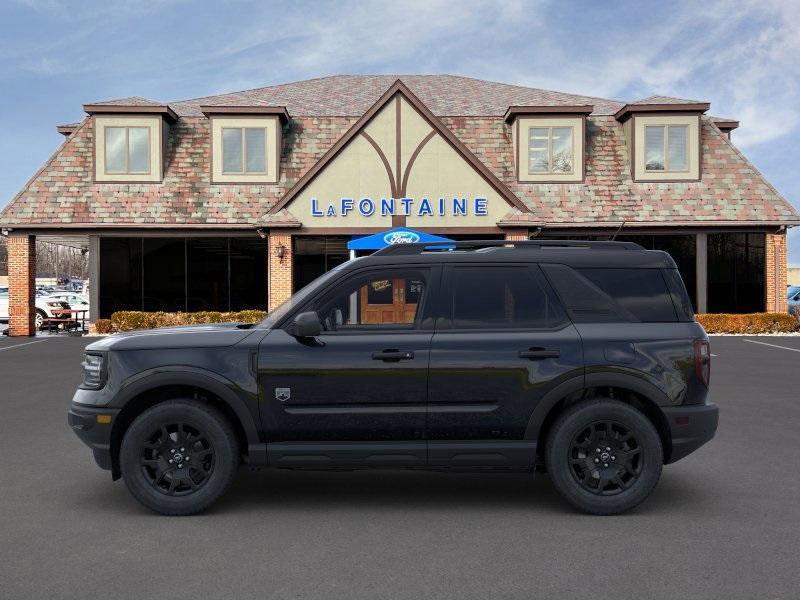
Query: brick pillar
280, 270
517, 235
775, 273
21, 284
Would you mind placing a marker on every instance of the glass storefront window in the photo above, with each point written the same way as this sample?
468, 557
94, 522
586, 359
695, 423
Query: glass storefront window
180, 274
735, 272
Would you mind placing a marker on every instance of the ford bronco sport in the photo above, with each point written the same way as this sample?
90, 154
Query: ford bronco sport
579, 358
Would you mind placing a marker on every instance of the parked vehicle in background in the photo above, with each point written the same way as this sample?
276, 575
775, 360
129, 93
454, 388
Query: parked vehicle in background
581, 358
47, 307
793, 298
76, 301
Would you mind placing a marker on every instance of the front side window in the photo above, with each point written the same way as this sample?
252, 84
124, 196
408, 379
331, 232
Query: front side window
383, 299
666, 147
127, 150
494, 297
244, 150
550, 150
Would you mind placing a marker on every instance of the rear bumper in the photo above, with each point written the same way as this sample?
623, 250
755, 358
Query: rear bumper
690, 427
96, 434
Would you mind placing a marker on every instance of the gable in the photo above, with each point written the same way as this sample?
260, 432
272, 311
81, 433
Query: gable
399, 162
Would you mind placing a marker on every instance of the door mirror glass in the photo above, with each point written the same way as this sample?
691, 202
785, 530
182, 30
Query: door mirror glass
306, 325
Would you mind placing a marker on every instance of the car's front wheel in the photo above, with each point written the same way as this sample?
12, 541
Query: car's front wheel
39, 318
179, 456
604, 456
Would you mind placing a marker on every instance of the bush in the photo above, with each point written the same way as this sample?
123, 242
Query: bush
129, 320
752, 323
103, 326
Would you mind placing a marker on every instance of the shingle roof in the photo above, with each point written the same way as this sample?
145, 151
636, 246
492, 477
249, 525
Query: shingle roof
130, 101
63, 193
352, 95
665, 100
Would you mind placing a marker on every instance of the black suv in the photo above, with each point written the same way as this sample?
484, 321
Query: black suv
583, 359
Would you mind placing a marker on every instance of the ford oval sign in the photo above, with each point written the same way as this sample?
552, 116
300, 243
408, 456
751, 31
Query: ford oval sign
401, 237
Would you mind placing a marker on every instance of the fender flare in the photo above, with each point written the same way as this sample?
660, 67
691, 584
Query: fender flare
590, 380
195, 377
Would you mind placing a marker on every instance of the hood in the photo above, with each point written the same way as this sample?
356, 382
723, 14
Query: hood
213, 335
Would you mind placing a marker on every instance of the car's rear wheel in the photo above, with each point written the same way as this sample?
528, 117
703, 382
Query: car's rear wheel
604, 456
179, 456
39, 318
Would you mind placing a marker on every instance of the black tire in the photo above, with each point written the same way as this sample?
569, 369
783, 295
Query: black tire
189, 430
579, 452
39, 318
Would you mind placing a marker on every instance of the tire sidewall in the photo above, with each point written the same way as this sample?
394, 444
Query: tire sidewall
204, 418
560, 441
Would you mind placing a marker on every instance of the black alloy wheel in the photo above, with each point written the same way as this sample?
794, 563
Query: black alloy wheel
177, 459
605, 458
179, 456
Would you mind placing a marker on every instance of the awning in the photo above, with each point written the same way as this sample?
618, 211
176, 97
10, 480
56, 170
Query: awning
398, 235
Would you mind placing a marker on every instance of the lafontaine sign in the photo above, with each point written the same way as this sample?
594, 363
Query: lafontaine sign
422, 207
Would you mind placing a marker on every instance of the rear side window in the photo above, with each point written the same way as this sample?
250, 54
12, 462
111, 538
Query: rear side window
642, 292
680, 297
493, 297
613, 295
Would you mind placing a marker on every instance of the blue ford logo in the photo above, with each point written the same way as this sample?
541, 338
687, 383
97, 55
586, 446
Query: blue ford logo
401, 237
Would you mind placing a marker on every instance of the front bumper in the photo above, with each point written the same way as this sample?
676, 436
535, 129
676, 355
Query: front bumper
690, 427
93, 426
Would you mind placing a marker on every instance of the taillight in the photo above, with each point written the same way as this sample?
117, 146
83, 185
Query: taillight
702, 361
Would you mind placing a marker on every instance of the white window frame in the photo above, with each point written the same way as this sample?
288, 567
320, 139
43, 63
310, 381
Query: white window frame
272, 133
127, 129
665, 148
158, 132
244, 171
550, 170
521, 137
635, 133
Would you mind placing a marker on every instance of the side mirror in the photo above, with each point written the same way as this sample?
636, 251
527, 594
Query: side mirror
305, 325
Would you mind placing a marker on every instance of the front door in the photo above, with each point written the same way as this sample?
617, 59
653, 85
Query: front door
502, 342
358, 392
389, 301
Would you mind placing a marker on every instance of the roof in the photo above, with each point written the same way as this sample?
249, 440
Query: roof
353, 95
63, 194
130, 101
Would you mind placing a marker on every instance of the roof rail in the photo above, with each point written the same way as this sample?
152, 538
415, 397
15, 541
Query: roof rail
420, 247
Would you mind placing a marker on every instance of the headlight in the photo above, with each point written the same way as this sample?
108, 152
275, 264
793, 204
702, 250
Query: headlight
53, 304
92, 371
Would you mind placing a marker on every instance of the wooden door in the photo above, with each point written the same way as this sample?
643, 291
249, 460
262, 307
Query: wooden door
389, 301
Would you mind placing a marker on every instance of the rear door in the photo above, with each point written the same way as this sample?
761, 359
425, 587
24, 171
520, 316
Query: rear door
502, 342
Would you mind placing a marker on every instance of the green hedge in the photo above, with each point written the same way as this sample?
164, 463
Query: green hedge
129, 320
751, 323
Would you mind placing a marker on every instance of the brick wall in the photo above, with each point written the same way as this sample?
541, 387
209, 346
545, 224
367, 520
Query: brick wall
280, 271
775, 273
21, 284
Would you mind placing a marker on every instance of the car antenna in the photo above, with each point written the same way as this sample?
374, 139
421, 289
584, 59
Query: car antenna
613, 237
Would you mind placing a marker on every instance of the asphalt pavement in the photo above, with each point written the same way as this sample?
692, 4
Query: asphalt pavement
723, 523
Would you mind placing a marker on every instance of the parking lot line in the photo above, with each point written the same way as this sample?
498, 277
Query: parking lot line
773, 345
20, 345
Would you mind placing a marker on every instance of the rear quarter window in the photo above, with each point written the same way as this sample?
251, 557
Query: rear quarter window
600, 295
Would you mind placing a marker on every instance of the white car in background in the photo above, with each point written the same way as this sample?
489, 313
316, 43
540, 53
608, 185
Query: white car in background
47, 307
77, 301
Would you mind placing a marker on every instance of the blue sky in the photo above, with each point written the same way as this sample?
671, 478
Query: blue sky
56, 55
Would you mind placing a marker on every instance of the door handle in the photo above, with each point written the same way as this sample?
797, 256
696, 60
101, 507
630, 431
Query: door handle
538, 353
392, 355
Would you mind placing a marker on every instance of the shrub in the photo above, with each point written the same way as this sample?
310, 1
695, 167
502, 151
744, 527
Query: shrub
752, 323
129, 320
103, 326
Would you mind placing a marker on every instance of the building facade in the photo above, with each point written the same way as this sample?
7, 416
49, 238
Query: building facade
235, 201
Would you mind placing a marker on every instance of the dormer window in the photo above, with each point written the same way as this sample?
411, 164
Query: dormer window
550, 150
548, 142
127, 150
245, 143
666, 148
244, 150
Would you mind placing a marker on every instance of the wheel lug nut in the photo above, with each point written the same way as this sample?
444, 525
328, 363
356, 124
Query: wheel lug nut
172, 451
607, 449
182, 448
597, 460
613, 458
170, 461
605, 464
597, 449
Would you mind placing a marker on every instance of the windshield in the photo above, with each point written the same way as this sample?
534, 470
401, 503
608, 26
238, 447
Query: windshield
300, 296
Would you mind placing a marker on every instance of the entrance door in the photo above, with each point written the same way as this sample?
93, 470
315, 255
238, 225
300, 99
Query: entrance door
390, 301
502, 342
358, 392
